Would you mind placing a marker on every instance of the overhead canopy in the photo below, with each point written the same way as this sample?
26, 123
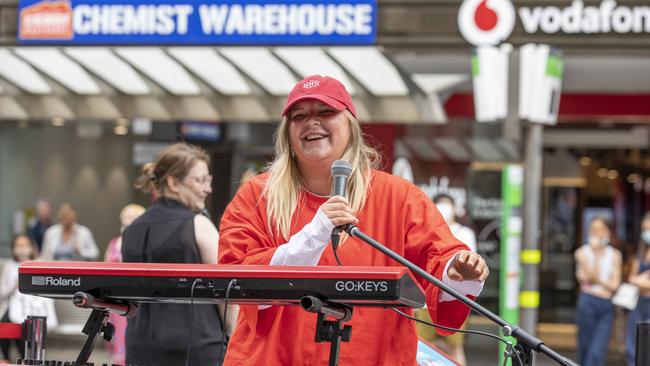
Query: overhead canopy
205, 83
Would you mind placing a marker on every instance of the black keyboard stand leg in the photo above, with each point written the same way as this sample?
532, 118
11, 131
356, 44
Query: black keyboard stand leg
97, 322
332, 331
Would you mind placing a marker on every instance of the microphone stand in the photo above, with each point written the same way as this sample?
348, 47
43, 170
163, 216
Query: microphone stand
525, 341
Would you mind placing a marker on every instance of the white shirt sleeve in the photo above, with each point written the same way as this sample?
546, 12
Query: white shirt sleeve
49, 243
87, 246
9, 280
306, 246
472, 287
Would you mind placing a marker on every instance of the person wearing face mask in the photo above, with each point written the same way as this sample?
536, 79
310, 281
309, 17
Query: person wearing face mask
598, 270
14, 305
640, 277
447, 208
285, 216
116, 347
173, 230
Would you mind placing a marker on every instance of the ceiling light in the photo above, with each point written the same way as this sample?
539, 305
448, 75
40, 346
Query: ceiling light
602, 172
120, 130
58, 121
612, 174
585, 161
122, 122
633, 178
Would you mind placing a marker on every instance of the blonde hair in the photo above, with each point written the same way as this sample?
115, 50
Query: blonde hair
173, 161
134, 208
283, 186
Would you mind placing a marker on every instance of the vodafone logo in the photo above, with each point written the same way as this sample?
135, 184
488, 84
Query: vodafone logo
486, 22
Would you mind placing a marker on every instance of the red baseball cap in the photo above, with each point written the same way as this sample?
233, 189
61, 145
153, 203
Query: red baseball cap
324, 88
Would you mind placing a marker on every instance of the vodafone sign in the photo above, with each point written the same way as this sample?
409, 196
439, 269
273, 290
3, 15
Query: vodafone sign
578, 18
486, 22
490, 22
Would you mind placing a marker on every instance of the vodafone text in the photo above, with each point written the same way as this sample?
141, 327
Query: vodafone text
578, 18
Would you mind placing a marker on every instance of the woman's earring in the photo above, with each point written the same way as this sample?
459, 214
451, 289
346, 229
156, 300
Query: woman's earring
292, 153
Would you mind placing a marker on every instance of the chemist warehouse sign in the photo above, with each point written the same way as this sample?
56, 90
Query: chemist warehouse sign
197, 22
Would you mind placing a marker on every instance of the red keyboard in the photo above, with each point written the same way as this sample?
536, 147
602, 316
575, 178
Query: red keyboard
171, 282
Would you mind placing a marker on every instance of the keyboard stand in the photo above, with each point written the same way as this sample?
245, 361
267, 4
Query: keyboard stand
328, 330
97, 323
98, 320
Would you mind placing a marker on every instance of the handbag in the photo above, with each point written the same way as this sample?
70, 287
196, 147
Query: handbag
626, 296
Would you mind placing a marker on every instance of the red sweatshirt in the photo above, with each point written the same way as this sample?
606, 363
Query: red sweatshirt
397, 214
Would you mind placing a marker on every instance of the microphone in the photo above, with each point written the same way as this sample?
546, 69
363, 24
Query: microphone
341, 171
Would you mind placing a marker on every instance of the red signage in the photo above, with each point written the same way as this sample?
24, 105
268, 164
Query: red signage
46, 20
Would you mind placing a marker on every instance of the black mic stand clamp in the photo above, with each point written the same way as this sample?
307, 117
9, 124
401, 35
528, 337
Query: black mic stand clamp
98, 321
327, 330
520, 354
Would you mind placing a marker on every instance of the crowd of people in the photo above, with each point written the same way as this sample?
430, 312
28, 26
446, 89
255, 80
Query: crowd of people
286, 216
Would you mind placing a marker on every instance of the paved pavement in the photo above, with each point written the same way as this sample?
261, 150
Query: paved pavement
479, 353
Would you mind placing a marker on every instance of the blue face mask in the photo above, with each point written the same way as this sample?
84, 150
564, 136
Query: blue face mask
645, 236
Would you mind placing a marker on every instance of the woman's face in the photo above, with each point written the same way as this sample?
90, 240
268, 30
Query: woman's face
599, 230
67, 217
23, 249
319, 134
196, 187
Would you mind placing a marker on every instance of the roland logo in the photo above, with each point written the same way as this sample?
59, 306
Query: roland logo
362, 286
55, 281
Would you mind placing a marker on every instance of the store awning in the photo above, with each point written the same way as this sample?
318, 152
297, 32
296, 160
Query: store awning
206, 83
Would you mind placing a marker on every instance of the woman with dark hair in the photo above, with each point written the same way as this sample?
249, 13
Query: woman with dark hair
598, 269
23, 248
173, 230
286, 216
640, 277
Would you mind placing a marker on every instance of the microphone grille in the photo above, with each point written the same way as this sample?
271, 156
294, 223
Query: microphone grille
341, 167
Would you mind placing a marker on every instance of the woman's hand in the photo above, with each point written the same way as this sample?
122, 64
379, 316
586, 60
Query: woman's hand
338, 210
467, 266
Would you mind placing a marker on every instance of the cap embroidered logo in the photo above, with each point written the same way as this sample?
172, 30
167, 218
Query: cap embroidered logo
311, 84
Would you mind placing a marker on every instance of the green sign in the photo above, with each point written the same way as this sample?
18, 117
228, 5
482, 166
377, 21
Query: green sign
511, 233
